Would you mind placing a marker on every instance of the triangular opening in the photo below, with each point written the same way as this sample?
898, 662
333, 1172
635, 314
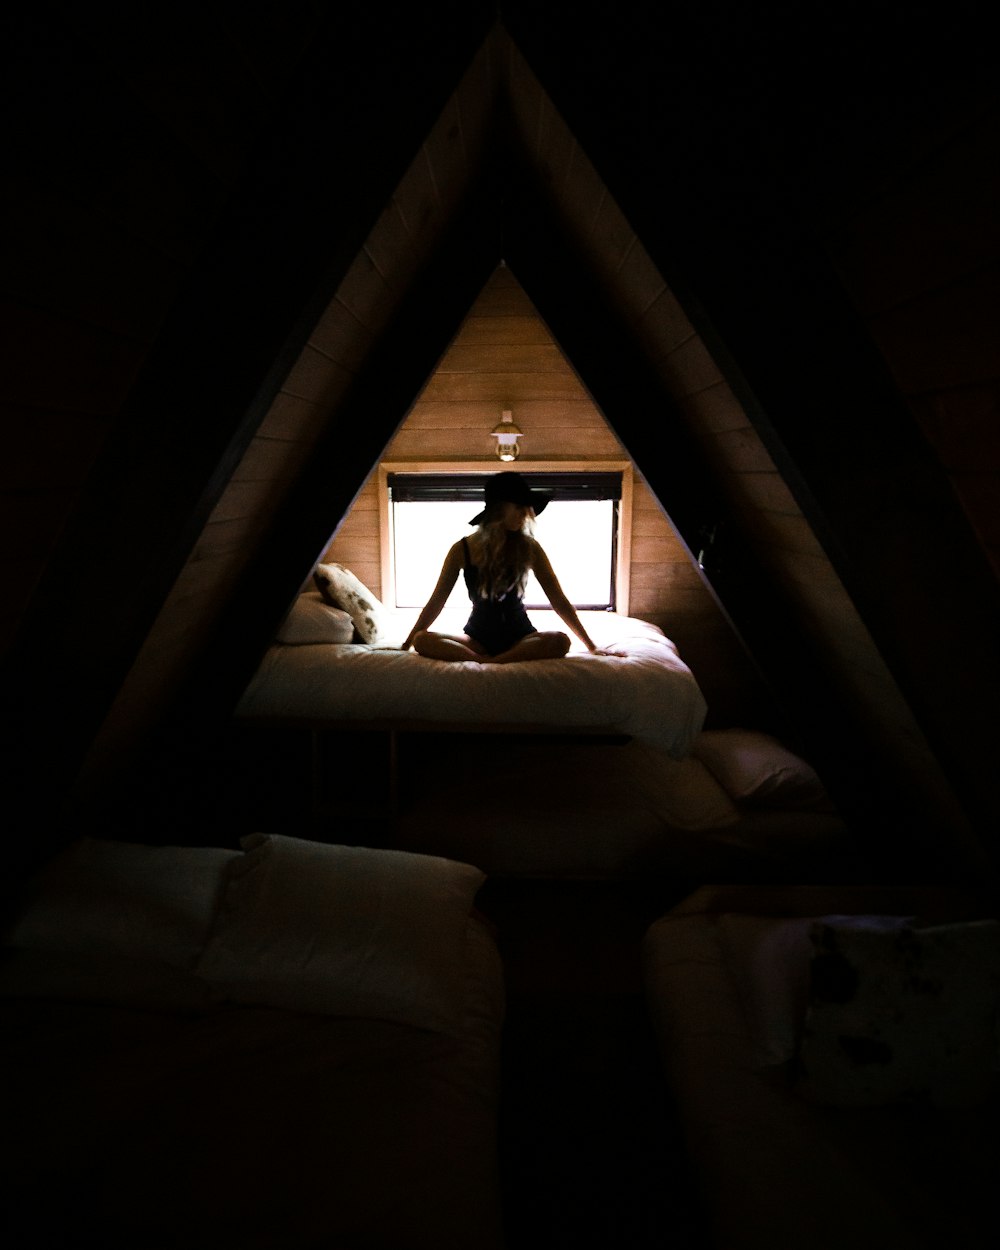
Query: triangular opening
504, 356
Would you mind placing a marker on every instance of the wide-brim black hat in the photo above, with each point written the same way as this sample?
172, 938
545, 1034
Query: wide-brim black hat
509, 487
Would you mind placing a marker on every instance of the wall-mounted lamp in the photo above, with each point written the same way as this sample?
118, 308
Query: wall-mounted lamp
506, 433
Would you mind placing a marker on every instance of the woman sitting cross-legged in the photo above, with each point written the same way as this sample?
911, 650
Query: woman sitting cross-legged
496, 561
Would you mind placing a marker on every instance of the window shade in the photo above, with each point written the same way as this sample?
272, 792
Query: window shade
471, 487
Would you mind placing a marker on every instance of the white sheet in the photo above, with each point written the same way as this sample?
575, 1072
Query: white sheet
164, 1123
649, 694
344, 931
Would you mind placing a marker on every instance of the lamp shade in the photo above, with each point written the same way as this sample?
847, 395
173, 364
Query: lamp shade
507, 433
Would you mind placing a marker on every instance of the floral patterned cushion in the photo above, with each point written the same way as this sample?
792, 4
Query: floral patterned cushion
899, 1013
341, 589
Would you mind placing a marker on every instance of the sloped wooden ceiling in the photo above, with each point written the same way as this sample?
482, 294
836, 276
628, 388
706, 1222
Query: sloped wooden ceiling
183, 203
703, 319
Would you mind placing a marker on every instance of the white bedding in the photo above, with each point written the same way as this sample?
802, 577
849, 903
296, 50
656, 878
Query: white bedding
649, 694
252, 1101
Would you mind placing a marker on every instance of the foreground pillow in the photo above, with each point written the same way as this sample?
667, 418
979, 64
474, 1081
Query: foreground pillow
113, 979
124, 900
341, 589
312, 620
756, 769
345, 931
901, 1014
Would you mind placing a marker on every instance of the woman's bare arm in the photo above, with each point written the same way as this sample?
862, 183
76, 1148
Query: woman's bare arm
556, 596
439, 596
560, 603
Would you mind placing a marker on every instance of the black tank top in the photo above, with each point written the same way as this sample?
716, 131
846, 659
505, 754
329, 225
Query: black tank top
497, 623
471, 573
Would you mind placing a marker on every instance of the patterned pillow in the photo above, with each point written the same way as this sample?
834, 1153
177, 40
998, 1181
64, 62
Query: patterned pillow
341, 589
901, 1014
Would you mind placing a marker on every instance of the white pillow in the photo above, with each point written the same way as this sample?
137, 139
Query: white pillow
683, 793
345, 931
341, 589
124, 899
755, 768
103, 978
312, 620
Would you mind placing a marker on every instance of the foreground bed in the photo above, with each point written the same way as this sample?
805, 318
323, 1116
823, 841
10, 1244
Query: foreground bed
291, 1046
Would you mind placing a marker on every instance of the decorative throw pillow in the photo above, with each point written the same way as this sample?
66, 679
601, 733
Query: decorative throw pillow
901, 1014
344, 931
756, 769
312, 620
341, 589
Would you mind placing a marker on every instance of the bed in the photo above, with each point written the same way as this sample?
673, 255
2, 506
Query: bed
284, 1046
831, 1058
603, 761
739, 807
650, 694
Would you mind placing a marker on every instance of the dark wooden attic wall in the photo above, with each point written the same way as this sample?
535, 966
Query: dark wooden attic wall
288, 191
559, 282
678, 187
631, 396
836, 426
728, 225
400, 364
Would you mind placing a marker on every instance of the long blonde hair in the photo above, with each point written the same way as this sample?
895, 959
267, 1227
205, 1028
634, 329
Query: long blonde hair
504, 557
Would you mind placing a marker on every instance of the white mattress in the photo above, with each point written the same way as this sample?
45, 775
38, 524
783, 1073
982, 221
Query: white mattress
649, 694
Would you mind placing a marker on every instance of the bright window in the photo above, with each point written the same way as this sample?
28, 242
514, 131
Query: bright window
578, 531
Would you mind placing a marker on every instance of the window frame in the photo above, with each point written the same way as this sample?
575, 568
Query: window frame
623, 551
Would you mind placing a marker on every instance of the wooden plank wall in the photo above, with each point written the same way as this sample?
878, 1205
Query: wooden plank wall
504, 356
759, 493
919, 251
